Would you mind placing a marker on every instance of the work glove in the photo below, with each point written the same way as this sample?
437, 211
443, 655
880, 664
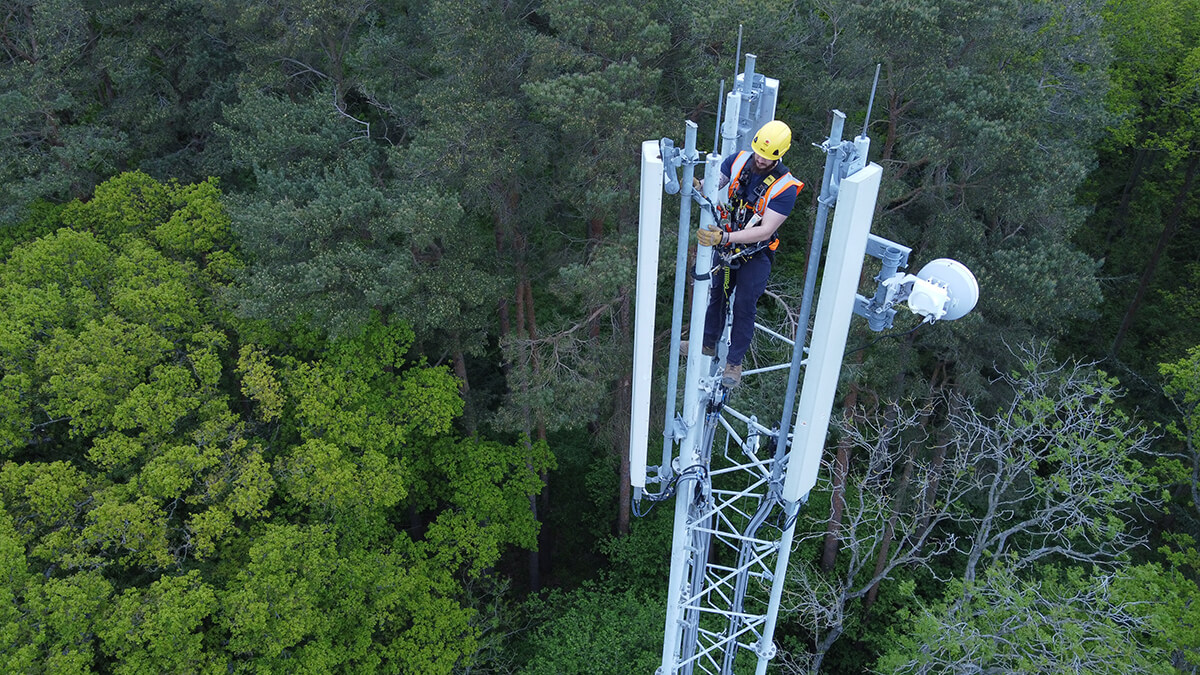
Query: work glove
711, 236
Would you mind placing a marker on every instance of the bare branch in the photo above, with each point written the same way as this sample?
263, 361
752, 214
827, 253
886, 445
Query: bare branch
1050, 477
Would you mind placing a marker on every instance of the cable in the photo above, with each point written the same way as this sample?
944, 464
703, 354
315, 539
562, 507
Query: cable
889, 335
638, 513
791, 520
697, 470
787, 524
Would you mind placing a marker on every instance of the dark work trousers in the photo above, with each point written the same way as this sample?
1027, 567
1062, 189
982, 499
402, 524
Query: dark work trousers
750, 280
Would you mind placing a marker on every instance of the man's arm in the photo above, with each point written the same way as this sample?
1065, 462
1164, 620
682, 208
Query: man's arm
699, 184
761, 231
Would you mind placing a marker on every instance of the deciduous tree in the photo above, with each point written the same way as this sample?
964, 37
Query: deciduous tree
1054, 476
187, 491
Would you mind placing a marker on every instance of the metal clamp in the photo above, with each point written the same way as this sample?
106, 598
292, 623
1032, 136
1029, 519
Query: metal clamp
766, 651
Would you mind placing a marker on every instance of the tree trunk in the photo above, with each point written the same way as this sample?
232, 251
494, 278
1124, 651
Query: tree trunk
502, 310
542, 554
530, 315
519, 300
622, 412
1131, 183
526, 327
929, 499
595, 232
464, 390
841, 468
901, 493
503, 317
533, 557
1168, 232
889, 532
531, 318
624, 493
823, 646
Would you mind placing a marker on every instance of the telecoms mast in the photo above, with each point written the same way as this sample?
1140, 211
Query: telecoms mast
738, 483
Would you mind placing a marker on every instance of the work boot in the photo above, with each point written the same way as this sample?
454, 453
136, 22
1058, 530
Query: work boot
704, 349
732, 376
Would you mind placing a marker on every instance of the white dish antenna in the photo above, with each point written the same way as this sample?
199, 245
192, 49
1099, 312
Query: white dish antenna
952, 279
943, 290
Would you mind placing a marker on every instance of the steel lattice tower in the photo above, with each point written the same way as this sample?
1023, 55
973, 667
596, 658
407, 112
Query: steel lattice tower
739, 483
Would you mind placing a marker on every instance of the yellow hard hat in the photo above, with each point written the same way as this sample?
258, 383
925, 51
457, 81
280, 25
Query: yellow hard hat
772, 140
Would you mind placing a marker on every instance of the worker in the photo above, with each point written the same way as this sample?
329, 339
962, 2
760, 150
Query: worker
761, 193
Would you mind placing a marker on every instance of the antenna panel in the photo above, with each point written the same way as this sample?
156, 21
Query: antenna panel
649, 224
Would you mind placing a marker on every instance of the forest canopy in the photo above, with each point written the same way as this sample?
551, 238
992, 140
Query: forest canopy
316, 333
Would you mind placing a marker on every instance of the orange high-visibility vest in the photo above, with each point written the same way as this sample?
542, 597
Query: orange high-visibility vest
775, 189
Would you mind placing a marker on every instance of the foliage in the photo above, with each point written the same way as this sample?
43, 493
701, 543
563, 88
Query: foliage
1183, 384
593, 631
1052, 477
1059, 620
179, 500
1141, 188
1155, 44
1164, 600
1180, 466
985, 115
420, 219
91, 90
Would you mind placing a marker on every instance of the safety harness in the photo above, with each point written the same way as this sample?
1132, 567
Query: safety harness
741, 213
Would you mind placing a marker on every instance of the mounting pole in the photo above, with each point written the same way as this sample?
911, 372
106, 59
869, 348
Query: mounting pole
670, 432
828, 197
695, 401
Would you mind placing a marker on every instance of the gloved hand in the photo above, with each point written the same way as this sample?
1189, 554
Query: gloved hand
711, 236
